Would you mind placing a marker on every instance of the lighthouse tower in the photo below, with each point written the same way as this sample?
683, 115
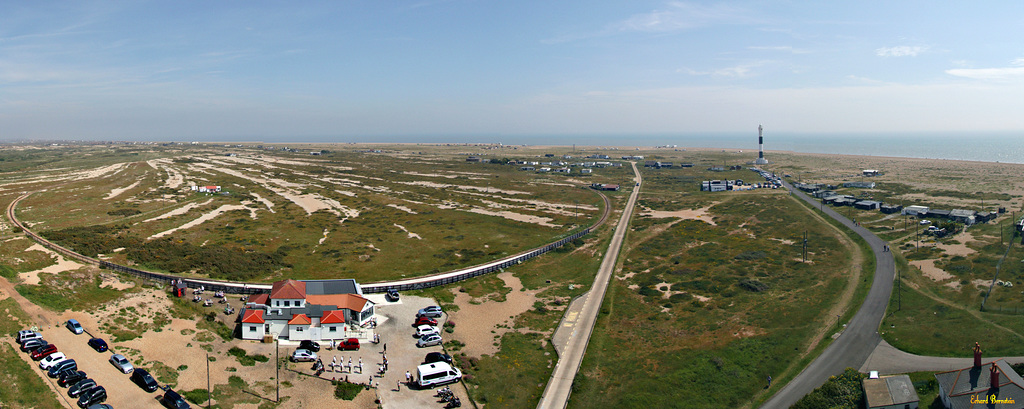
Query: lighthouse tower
760, 147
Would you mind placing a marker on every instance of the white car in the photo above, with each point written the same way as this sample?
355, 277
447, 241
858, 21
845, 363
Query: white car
303, 355
424, 330
429, 340
924, 222
52, 360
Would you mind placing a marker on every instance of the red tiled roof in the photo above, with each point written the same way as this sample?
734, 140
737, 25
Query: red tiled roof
288, 289
348, 301
263, 298
253, 317
333, 317
299, 319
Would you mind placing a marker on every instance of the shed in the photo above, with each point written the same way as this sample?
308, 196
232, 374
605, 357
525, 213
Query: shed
888, 209
963, 216
915, 210
937, 213
867, 205
890, 392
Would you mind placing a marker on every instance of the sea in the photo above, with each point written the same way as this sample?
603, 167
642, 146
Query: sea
1006, 147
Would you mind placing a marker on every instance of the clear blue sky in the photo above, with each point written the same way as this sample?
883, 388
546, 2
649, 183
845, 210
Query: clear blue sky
183, 70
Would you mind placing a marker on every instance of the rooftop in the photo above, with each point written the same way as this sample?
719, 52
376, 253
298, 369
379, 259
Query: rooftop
889, 390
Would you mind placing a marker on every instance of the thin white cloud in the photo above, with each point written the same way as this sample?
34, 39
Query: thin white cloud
675, 16
1003, 73
737, 71
783, 48
900, 51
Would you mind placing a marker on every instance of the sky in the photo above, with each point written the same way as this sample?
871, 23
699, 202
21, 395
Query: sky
360, 70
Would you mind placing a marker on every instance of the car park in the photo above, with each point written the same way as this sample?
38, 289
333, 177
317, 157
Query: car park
438, 357
61, 366
145, 381
26, 335
429, 340
43, 352
172, 400
424, 321
82, 386
75, 327
310, 346
424, 330
69, 378
351, 344
391, 295
303, 355
120, 362
32, 344
432, 311
92, 397
98, 344
52, 359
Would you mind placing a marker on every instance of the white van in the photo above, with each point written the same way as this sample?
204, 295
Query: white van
437, 373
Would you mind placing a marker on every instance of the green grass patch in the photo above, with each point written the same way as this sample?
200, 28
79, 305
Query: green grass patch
515, 376
245, 359
18, 319
839, 392
347, 391
21, 386
77, 290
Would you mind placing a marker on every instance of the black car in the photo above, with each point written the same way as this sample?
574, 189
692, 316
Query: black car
92, 397
391, 295
98, 344
438, 357
82, 386
309, 345
68, 378
61, 367
145, 381
172, 400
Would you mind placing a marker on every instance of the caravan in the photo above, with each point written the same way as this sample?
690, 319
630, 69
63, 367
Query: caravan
437, 373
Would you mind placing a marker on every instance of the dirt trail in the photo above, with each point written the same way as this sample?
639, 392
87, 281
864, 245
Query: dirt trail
475, 322
45, 317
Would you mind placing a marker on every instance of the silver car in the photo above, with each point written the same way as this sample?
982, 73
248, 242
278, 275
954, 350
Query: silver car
120, 362
303, 355
429, 340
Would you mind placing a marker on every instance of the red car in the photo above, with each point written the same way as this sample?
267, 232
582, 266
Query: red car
424, 321
44, 352
349, 344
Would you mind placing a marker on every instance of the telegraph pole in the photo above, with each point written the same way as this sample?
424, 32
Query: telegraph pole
805, 246
277, 362
209, 396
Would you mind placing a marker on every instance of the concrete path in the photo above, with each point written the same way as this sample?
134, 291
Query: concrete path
886, 359
556, 394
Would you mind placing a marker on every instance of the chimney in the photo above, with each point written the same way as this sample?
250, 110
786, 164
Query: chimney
977, 355
995, 376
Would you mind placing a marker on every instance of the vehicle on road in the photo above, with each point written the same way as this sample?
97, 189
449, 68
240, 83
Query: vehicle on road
925, 222
33, 344
75, 327
61, 366
424, 321
172, 400
120, 362
432, 311
92, 397
25, 335
145, 381
51, 360
82, 386
391, 295
351, 344
43, 352
303, 355
437, 373
98, 344
70, 378
424, 330
310, 345
438, 357
429, 340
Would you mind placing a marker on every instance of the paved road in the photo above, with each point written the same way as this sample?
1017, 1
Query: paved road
556, 394
860, 338
886, 359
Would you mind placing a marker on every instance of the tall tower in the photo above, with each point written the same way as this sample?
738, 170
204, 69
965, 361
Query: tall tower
760, 147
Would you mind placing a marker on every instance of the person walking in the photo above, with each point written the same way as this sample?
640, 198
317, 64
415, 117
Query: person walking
408, 377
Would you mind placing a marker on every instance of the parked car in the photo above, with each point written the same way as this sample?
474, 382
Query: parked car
98, 344
82, 386
92, 397
309, 345
429, 340
52, 359
33, 344
424, 321
145, 381
66, 372
25, 335
424, 330
61, 366
120, 362
301, 355
432, 311
351, 344
172, 400
391, 295
75, 327
70, 378
43, 352
100, 406
438, 357
924, 222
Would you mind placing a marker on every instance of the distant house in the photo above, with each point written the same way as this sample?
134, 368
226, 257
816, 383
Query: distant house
991, 385
307, 310
938, 213
586, 171
967, 217
527, 168
871, 172
473, 159
890, 392
915, 211
601, 186
867, 205
205, 189
888, 209
650, 164
862, 185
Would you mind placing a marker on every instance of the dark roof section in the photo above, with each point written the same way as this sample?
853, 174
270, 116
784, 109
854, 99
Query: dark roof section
962, 384
342, 286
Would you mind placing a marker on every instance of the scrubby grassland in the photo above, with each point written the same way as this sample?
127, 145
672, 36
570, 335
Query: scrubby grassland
701, 314
20, 387
76, 290
401, 212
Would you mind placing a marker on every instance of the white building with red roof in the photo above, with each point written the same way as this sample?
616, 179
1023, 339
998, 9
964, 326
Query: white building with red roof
315, 310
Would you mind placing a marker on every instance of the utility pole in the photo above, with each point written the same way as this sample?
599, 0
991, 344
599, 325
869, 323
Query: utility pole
209, 396
277, 362
805, 246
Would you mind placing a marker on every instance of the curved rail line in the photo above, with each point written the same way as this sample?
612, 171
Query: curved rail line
235, 287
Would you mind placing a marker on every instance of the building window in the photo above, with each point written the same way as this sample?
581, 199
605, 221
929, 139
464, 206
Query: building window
252, 328
299, 329
333, 329
287, 303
